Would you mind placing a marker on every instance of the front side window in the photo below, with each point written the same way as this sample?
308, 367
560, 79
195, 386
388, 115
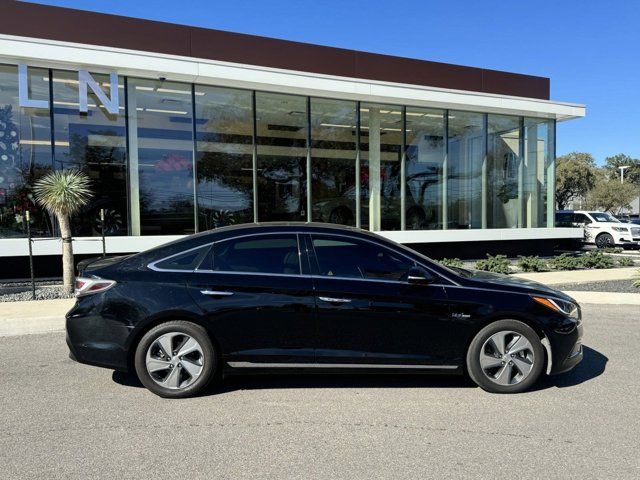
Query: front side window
258, 254
351, 258
581, 218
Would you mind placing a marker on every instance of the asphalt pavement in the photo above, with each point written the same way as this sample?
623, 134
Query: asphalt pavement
60, 419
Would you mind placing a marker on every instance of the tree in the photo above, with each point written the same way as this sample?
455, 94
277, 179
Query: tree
631, 174
63, 193
610, 195
575, 176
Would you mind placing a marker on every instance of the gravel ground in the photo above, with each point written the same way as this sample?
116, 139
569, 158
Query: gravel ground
19, 293
619, 286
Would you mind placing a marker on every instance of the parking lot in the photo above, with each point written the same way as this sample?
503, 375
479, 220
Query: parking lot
60, 419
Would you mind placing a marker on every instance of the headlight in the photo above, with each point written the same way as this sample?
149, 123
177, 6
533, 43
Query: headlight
621, 229
569, 309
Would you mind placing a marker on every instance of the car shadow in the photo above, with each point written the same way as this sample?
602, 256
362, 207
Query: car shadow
592, 366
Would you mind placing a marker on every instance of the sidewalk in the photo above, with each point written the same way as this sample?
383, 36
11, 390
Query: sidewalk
42, 316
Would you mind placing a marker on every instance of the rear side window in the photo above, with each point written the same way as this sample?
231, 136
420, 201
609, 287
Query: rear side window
258, 254
351, 258
185, 261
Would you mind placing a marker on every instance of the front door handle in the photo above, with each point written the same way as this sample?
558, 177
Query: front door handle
334, 300
215, 293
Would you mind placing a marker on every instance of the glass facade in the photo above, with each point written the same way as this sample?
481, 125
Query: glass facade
25, 152
181, 158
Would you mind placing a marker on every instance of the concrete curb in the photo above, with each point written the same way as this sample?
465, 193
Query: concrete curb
606, 298
581, 276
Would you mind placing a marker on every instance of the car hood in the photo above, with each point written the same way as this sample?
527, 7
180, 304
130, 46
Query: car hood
512, 283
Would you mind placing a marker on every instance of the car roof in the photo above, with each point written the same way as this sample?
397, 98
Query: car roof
306, 226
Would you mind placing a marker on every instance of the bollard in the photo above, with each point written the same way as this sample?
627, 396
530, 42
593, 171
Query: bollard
104, 245
33, 279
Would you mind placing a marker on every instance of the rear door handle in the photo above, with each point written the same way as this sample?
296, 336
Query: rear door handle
334, 300
215, 293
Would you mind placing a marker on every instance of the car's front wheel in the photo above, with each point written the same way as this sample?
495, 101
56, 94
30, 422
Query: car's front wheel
175, 359
605, 240
506, 356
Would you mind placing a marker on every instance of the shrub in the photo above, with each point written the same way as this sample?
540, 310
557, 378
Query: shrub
565, 262
497, 264
596, 259
452, 262
636, 282
626, 262
532, 264
613, 250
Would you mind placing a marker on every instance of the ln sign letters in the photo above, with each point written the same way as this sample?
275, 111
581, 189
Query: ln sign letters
112, 105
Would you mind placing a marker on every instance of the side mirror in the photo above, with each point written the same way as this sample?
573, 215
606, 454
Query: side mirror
420, 276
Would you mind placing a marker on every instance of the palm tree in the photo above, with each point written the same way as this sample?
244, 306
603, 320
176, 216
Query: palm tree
63, 193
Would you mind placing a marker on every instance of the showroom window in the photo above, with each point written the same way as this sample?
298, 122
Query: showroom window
424, 168
25, 153
94, 142
333, 161
504, 173
380, 166
539, 173
224, 156
161, 157
281, 129
465, 164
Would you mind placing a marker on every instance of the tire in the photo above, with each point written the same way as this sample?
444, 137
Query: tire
512, 370
184, 371
605, 240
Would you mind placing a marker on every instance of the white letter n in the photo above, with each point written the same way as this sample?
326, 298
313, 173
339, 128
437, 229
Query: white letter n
112, 105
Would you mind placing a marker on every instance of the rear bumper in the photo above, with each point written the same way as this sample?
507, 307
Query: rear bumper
95, 340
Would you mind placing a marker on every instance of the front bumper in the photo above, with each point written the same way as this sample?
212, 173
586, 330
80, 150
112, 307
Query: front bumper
567, 350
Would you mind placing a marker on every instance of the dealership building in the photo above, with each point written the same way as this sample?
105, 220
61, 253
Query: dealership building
184, 129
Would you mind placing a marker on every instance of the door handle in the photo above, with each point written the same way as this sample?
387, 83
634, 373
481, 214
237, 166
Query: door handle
215, 293
334, 300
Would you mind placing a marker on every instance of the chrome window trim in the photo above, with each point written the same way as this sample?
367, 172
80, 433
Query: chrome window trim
297, 234
339, 365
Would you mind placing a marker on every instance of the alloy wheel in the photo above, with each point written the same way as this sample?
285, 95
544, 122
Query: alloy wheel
507, 358
174, 360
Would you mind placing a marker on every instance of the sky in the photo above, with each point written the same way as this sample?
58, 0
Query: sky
589, 49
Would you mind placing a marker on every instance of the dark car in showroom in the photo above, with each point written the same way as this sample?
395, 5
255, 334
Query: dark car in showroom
305, 297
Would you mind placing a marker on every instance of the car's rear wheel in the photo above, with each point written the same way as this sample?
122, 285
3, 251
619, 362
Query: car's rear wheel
506, 356
175, 359
605, 240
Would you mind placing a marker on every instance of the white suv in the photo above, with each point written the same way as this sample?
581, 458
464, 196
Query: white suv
601, 228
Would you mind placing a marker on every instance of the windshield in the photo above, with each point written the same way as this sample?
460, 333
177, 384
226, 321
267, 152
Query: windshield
603, 217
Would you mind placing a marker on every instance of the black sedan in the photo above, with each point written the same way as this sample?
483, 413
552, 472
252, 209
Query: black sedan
315, 298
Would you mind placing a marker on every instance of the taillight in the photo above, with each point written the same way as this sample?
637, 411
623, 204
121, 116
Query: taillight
89, 286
